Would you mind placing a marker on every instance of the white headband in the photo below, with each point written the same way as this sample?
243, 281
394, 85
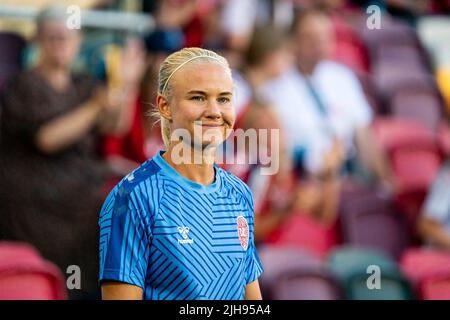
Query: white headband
189, 60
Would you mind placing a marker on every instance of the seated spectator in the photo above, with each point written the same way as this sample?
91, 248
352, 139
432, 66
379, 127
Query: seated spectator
286, 204
52, 178
266, 58
349, 48
321, 104
238, 18
280, 200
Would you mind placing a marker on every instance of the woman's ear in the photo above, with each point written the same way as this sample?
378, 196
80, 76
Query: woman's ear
163, 107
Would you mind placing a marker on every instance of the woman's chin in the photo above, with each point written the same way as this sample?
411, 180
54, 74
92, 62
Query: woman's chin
210, 141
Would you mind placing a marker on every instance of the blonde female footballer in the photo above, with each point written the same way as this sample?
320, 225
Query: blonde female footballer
180, 227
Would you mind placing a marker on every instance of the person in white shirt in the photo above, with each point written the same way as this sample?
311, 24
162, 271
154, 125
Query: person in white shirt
321, 104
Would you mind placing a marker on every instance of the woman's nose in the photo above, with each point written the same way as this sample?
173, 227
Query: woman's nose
213, 109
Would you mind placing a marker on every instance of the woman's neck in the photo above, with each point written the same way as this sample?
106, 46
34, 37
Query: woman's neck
198, 167
58, 78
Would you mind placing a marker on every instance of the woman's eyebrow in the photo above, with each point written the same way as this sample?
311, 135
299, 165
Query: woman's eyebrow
200, 92
197, 92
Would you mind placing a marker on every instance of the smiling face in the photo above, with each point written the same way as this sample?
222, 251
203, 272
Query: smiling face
201, 102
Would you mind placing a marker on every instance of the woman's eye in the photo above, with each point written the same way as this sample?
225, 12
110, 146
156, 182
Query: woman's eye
224, 100
198, 98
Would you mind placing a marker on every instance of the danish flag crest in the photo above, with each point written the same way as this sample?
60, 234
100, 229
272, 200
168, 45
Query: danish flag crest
242, 228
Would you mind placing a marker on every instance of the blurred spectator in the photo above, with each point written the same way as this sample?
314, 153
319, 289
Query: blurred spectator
186, 23
434, 223
322, 106
238, 18
52, 179
279, 200
266, 58
182, 20
348, 47
285, 206
125, 151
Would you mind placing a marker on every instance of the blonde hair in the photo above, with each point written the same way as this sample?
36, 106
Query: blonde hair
170, 66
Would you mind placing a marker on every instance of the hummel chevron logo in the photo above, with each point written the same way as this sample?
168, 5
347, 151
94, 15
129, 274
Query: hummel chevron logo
184, 233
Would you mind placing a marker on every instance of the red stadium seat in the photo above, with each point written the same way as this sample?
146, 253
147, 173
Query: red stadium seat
429, 272
394, 32
293, 274
304, 232
409, 205
306, 284
403, 54
25, 275
394, 133
421, 104
369, 221
389, 76
443, 133
415, 169
394, 49
415, 158
436, 288
349, 48
413, 150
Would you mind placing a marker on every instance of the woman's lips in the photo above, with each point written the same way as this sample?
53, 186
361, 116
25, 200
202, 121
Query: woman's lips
212, 125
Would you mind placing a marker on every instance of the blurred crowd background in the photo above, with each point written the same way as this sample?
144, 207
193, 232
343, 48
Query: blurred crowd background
360, 91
